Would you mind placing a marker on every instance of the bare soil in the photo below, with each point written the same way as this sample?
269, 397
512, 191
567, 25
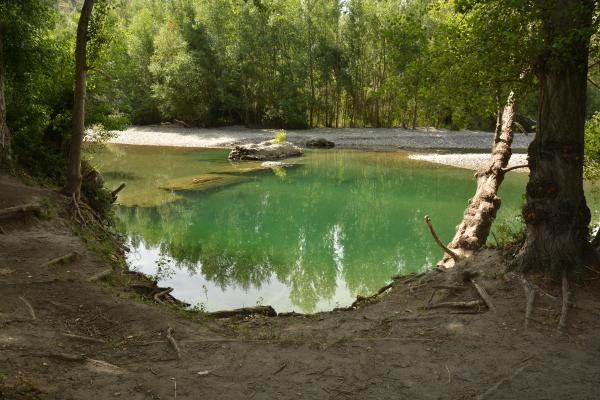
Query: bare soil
65, 337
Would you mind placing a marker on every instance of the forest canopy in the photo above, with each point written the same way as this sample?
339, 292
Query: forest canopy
309, 63
269, 63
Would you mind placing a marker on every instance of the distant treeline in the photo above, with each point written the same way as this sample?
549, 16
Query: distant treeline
298, 63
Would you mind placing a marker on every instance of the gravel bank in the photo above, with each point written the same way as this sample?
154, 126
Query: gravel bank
355, 138
469, 160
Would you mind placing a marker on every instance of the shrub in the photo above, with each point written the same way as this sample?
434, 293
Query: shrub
592, 147
280, 136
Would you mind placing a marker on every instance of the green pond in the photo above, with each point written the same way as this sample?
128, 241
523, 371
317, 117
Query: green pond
336, 224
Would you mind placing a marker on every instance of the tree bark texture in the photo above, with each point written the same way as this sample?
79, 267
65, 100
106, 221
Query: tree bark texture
73, 185
6, 156
556, 212
481, 211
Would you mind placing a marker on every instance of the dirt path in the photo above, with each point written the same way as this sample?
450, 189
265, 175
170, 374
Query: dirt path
63, 337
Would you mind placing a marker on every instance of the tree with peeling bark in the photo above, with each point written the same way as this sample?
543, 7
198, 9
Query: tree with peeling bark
477, 221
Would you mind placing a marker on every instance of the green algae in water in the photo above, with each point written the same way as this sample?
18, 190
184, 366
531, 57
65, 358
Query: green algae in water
309, 238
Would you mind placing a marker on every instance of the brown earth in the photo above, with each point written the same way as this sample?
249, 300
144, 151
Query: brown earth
65, 337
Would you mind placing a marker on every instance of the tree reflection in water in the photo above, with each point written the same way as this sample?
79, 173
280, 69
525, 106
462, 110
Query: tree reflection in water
343, 218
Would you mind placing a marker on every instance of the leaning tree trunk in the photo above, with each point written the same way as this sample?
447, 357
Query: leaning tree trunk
556, 212
73, 186
6, 159
475, 227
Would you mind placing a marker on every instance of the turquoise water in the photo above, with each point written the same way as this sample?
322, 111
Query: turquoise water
308, 238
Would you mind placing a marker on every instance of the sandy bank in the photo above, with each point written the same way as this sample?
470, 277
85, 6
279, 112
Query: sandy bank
355, 138
469, 160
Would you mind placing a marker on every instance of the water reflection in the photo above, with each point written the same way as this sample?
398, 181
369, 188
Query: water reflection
310, 239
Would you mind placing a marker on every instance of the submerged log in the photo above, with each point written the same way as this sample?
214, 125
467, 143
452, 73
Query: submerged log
475, 227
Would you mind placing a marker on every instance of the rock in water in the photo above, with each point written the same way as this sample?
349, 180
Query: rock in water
265, 151
320, 144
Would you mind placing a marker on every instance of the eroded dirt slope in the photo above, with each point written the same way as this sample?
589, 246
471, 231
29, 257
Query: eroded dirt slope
63, 336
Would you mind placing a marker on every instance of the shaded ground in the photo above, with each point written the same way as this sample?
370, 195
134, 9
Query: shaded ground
353, 138
64, 337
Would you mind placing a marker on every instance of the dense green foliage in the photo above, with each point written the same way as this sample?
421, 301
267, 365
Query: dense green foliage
277, 63
592, 147
291, 63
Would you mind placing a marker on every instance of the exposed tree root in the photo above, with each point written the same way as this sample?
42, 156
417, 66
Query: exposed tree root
77, 211
501, 382
566, 303
100, 275
16, 210
158, 296
450, 287
530, 295
538, 289
458, 304
29, 307
83, 338
173, 342
61, 260
484, 296
267, 311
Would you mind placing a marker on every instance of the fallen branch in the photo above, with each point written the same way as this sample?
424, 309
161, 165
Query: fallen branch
26, 208
173, 342
157, 296
458, 304
61, 260
438, 241
29, 307
267, 311
566, 302
115, 192
505, 170
185, 124
385, 288
484, 296
2, 231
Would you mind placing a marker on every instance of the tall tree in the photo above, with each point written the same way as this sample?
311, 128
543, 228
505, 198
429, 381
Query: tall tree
6, 160
73, 185
556, 213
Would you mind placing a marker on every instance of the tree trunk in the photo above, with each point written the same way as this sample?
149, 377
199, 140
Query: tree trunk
6, 158
475, 227
73, 186
556, 212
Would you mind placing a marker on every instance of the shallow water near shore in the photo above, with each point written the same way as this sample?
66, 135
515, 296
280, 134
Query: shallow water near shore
308, 238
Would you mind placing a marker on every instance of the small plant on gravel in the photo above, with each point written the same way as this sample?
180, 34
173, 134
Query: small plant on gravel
280, 136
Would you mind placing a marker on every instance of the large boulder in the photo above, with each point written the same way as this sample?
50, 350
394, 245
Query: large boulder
265, 151
320, 144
